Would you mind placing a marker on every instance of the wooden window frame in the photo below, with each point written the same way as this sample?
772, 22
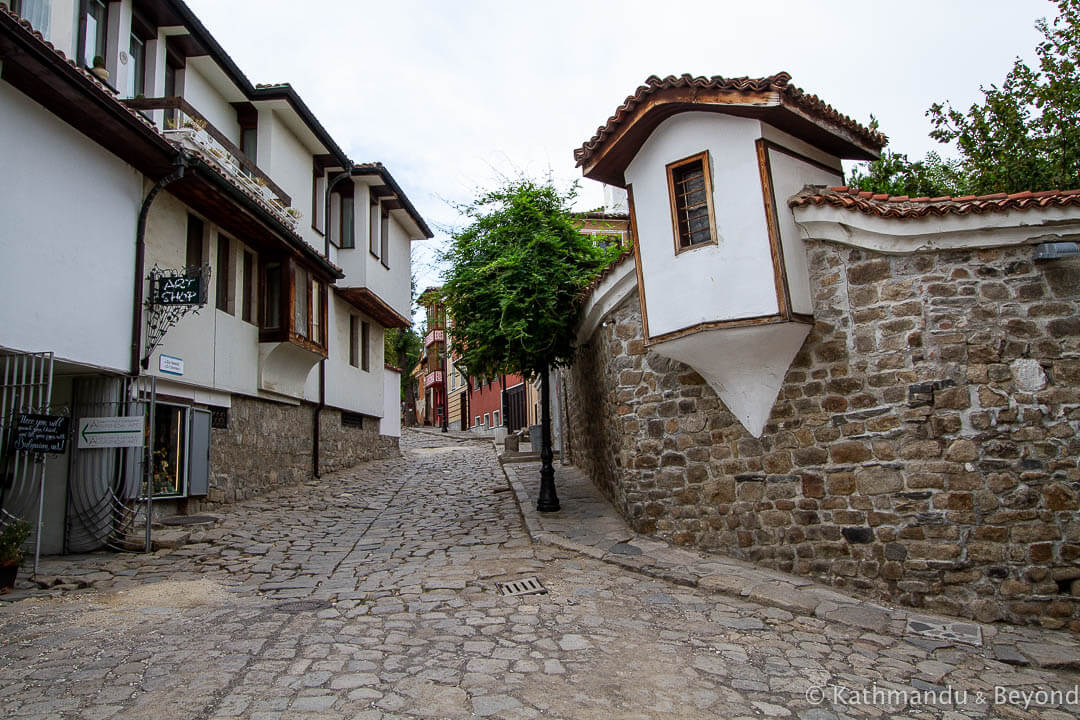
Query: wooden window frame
247, 303
196, 234
273, 267
384, 238
346, 240
223, 298
374, 225
354, 341
365, 346
703, 158
318, 199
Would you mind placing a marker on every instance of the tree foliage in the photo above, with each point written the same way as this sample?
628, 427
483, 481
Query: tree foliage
402, 347
1024, 134
515, 276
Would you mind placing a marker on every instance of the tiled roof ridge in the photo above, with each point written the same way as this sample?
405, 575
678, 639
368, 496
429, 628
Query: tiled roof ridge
108, 93
903, 206
588, 289
778, 82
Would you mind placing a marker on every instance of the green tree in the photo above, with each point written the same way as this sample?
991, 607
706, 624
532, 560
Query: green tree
515, 278
1024, 135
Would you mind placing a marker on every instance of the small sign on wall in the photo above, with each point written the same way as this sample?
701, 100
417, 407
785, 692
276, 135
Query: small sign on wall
171, 365
41, 433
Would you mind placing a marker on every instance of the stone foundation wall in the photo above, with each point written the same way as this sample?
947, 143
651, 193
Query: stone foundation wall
922, 449
268, 445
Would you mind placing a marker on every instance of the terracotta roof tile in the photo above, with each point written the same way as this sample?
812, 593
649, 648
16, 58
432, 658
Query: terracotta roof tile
627, 253
808, 103
902, 207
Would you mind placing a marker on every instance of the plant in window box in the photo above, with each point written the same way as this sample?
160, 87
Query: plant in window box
12, 538
293, 215
98, 69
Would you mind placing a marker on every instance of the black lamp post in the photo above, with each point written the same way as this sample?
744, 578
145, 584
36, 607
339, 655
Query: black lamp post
548, 500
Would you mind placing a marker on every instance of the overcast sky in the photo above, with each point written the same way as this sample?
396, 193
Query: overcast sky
451, 96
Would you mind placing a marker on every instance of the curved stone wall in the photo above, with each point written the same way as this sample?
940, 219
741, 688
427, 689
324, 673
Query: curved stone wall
923, 447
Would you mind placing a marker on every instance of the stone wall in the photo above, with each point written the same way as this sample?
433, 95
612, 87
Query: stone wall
268, 445
923, 447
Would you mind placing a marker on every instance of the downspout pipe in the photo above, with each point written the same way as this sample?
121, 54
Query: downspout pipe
137, 363
316, 421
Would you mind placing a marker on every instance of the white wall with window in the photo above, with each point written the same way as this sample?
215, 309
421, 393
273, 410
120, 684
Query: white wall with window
354, 367
730, 277
388, 275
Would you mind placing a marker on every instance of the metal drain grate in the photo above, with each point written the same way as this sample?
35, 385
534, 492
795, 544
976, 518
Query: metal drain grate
297, 606
525, 586
968, 633
188, 520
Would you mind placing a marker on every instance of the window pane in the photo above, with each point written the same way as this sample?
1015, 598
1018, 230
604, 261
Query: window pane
373, 216
272, 296
347, 219
137, 71
248, 290
365, 345
691, 203
316, 312
354, 341
300, 303
384, 239
224, 274
194, 241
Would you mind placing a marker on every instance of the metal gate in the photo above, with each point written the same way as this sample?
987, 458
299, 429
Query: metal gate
515, 408
25, 387
107, 500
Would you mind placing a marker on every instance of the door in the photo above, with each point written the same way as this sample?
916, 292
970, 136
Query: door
515, 408
199, 453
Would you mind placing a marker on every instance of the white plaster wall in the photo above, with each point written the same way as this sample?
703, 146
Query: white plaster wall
390, 422
348, 387
789, 176
207, 100
353, 262
220, 351
727, 281
392, 284
289, 164
67, 239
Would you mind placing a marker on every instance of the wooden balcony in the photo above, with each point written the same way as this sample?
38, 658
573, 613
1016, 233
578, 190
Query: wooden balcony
188, 120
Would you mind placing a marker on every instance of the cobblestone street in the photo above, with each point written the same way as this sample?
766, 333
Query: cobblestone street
372, 594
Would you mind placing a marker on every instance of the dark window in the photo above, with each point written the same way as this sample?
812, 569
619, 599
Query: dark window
354, 341
95, 25
373, 227
351, 419
246, 312
137, 73
249, 142
690, 189
348, 222
224, 274
219, 418
194, 241
171, 116
365, 345
271, 298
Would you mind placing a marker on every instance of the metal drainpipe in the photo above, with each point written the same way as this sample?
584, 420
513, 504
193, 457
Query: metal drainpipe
315, 424
140, 258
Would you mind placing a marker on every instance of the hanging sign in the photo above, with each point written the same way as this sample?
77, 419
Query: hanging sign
111, 432
178, 287
41, 433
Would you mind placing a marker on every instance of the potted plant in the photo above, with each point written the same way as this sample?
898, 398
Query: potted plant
12, 537
99, 69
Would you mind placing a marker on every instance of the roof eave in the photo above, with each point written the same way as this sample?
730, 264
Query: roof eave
384, 174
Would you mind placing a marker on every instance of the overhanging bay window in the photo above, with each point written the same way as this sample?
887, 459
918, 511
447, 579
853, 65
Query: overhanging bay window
293, 305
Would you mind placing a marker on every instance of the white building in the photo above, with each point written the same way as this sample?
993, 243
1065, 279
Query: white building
169, 158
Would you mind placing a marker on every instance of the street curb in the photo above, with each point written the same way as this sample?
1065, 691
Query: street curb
721, 575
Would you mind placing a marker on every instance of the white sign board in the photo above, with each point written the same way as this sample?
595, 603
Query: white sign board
171, 365
111, 432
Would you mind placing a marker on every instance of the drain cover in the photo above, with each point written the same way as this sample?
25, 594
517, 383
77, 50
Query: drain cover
525, 586
188, 520
968, 633
297, 606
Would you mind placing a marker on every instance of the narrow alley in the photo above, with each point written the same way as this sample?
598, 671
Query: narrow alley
373, 594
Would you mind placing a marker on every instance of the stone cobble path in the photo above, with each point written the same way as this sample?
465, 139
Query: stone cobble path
371, 594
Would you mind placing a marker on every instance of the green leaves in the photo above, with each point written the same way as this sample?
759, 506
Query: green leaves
516, 274
1023, 136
